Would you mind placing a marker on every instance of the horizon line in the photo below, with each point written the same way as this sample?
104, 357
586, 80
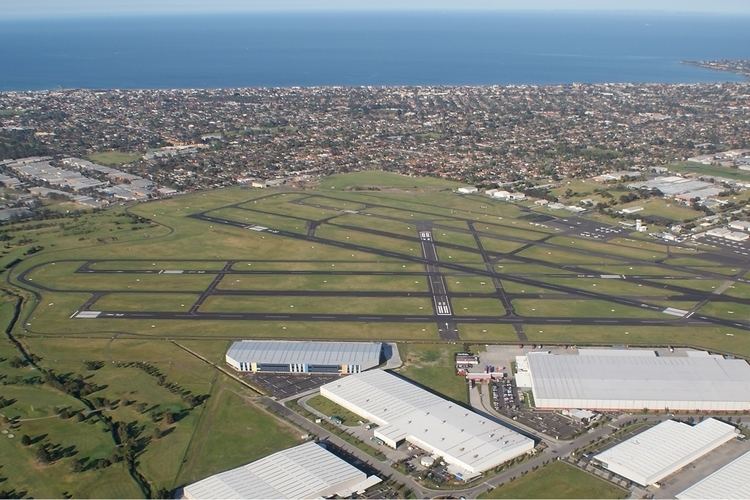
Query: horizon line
469, 10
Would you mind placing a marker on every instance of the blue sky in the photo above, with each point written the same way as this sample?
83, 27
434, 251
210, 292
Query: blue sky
54, 8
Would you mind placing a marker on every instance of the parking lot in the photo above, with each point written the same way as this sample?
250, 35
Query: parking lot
738, 247
504, 395
550, 423
284, 385
510, 402
594, 230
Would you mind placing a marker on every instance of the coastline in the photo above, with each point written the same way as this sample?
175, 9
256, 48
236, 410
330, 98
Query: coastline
739, 67
281, 51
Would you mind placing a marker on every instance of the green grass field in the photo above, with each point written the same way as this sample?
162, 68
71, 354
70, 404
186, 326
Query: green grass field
232, 431
663, 208
341, 305
327, 282
114, 158
711, 170
581, 308
433, 366
348, 255
376, 179
557, 480
331, 409
210, 245
206, 446
488, 333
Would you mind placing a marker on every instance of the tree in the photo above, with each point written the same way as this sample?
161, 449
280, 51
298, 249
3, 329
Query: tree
163, 493
43, 456
79, 465
25, 440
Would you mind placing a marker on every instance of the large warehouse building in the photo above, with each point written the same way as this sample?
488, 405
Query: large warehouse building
654, 454
730, 482
305, 471
303, 357
621, 379
469, 443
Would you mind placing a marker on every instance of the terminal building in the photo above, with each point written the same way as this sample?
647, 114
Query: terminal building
283, 356
468, 442
635, 379
654, 454
305, 471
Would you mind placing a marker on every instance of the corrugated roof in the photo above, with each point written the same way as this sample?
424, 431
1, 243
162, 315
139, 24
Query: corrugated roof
305, 471
730, 482
406, 411
638, 377
663, 449
365, 354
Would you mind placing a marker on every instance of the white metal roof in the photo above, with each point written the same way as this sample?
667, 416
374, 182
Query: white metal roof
632, 376
665, 448
731, 482
305, 471
365, 354
597, 351
405, 411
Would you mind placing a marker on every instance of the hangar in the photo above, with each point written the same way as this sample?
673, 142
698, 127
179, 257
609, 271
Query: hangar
303, 357
468, 442
729, 482
635, 379
654, 454
305, 471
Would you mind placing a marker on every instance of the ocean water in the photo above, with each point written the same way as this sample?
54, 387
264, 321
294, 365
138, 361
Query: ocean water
365, 49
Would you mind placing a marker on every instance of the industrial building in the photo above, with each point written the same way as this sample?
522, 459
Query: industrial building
635, 379
654, 454
303, 357
740, 225
468, 442
727, 234
730, 482
305, 471
679, 187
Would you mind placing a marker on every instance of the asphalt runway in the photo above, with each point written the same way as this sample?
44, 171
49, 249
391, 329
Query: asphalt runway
438, 290
434, 271
395, 318
467, 269
447, 329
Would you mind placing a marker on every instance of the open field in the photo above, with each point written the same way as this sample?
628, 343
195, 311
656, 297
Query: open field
204, 261
113, 158
282, 303
107, 290
489, 333
581, 308
722, 339
331, 409
433, 366
660, 207
330, 282
710, 170
143, 301
371, 179
146, 384
215, 445
557, 480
